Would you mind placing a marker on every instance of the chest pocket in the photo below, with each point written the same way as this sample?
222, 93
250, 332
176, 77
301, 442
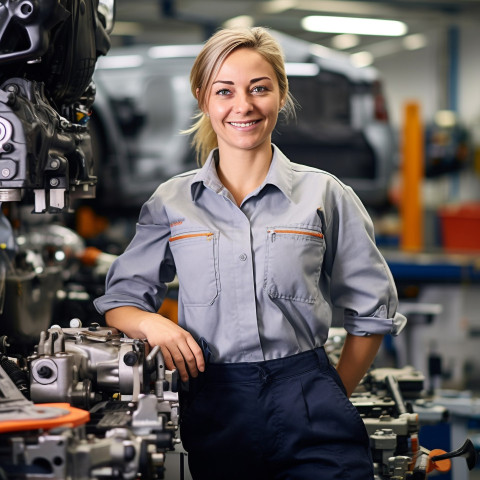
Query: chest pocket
196, 261
293, 263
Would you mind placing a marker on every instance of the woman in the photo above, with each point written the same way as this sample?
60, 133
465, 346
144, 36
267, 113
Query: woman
263, 249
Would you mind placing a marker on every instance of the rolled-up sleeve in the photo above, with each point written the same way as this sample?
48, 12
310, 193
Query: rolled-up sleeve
361, 283
138, 277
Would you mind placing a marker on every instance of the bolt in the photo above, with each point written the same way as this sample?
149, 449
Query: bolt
12, 88
5, 172
54, 164
54, 182
129, 453
130, 359
7, 148
45, 372
75, 323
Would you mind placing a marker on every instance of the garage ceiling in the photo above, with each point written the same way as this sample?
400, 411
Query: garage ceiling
190, 21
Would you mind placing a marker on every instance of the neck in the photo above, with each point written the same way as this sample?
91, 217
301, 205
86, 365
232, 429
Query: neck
242, 173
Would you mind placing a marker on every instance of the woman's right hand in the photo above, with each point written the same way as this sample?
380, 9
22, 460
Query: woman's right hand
179, 348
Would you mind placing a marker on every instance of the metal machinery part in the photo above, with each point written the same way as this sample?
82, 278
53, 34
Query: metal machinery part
124, 403
48, 52
393, 408
57, 165
132, 406
131, 400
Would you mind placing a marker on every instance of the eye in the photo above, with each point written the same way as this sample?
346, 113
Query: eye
223, 92
259, 89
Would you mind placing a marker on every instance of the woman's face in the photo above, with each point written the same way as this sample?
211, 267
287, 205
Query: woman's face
244, 101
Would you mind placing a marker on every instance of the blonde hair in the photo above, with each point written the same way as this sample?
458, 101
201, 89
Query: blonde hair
209, 62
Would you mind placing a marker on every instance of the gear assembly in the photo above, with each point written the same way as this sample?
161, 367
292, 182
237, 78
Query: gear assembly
85, 402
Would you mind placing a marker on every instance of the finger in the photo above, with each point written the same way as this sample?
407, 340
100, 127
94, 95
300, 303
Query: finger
179, 361
197, 352
167, 358
189, 357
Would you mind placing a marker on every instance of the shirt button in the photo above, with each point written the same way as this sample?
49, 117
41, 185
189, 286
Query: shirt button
243, 257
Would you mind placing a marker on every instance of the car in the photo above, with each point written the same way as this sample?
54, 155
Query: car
143, 103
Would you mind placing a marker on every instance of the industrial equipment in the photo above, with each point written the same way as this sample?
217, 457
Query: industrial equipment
102, 406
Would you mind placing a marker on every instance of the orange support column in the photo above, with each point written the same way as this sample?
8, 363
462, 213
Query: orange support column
412, 171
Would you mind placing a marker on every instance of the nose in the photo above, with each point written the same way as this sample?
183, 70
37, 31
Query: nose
242, 104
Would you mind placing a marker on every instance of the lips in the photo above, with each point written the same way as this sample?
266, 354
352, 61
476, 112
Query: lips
243, 124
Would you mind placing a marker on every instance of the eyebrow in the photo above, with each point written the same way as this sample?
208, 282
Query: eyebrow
253, 80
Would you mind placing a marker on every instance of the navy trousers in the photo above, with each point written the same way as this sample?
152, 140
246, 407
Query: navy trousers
287, 418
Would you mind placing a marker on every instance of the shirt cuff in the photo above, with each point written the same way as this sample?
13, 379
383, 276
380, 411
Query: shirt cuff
107, 302
365, 326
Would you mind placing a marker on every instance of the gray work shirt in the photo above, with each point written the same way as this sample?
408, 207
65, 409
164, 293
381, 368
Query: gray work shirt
257, 281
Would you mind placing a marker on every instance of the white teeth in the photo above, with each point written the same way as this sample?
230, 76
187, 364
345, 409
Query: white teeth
243, 125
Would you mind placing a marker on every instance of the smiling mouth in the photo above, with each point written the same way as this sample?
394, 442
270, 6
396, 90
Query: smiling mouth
243, 125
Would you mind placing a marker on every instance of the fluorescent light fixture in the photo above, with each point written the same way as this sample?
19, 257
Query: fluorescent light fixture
362, 59
120, 61
244, 21
415, 41
324, 52
302, 69
345, 41
174, 51
353, 25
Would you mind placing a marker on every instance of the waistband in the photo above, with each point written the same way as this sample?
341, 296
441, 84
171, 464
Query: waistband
267, 370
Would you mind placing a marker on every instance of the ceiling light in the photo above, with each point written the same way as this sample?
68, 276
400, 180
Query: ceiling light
323, 52
302, 69
362, 59
345, 41
120, 61
358, 26
174, 51
415, 41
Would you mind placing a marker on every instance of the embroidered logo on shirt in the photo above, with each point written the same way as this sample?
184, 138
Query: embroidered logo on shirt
178, 222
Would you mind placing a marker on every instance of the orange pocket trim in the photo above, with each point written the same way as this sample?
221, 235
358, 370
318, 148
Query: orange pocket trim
190, 235
299, 232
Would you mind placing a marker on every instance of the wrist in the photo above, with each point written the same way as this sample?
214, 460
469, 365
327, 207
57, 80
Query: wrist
147, 323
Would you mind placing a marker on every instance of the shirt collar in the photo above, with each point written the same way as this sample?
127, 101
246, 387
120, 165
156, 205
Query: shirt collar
206, 176
279, 175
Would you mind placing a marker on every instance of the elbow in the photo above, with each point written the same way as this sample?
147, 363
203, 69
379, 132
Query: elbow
109, 318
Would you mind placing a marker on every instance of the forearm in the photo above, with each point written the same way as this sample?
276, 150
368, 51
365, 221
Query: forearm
356, 358
128, 320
